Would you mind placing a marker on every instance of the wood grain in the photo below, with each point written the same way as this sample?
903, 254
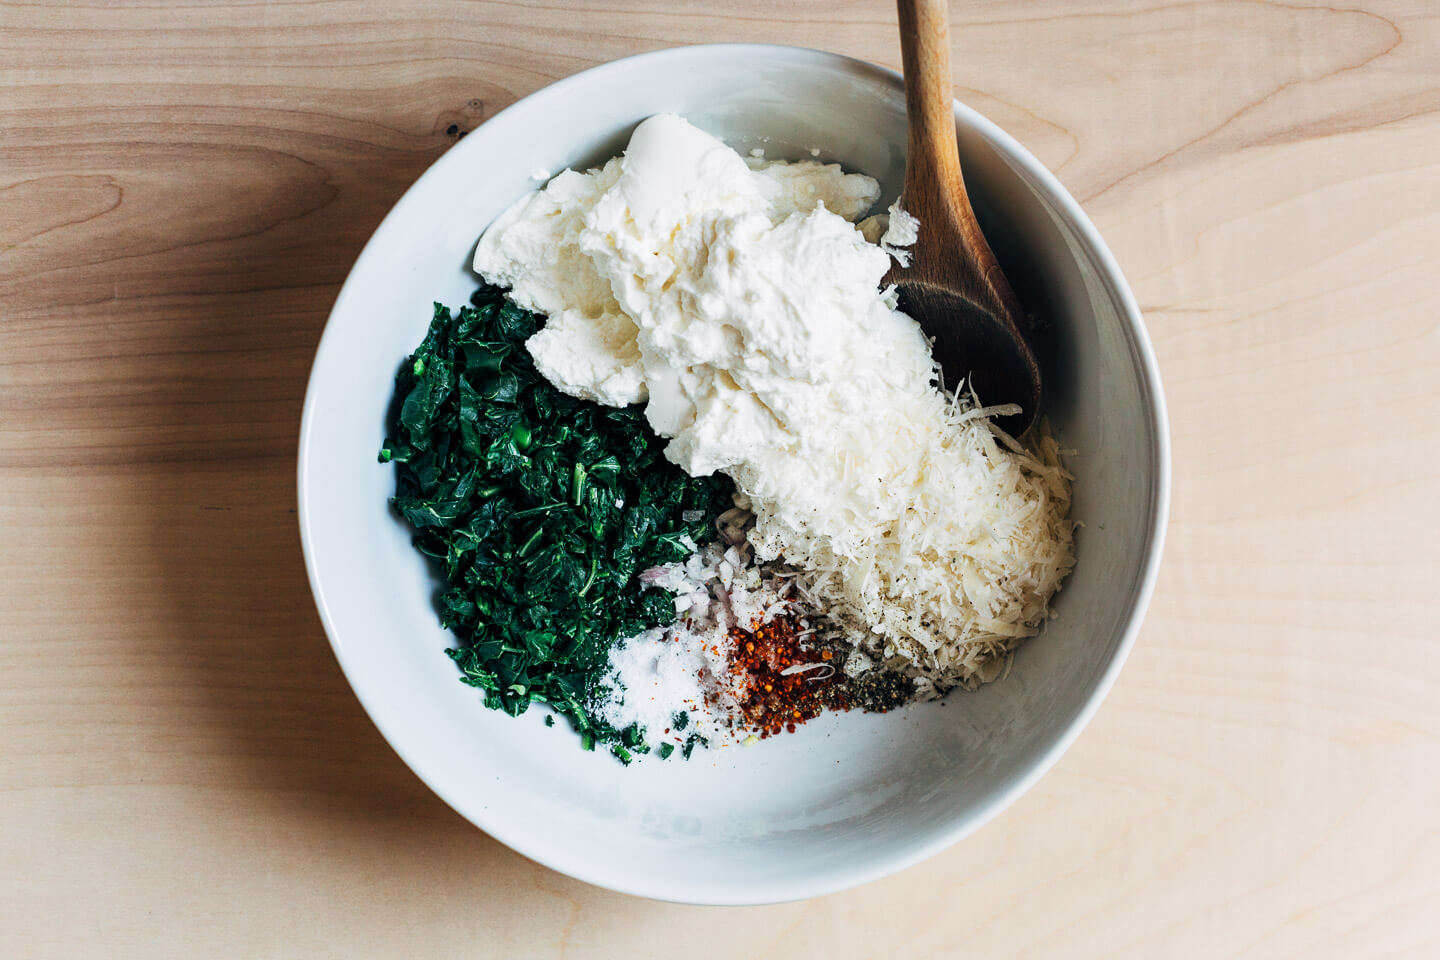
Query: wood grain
183, 771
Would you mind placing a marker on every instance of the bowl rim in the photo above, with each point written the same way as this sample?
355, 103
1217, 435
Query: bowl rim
1115, 285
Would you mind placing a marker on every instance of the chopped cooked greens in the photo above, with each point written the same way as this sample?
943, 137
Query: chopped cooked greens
540, 509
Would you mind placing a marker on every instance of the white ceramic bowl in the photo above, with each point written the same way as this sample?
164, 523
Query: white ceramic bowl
848, 798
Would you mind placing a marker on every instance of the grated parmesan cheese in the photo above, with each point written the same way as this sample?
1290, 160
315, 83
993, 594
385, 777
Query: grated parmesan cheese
956, 562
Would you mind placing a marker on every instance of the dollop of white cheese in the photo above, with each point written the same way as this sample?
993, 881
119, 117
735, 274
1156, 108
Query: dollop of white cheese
741, 303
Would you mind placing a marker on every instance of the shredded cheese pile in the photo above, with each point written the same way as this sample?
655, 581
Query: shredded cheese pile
965, 543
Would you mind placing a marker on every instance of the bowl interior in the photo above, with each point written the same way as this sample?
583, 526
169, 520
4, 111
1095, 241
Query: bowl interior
849, 797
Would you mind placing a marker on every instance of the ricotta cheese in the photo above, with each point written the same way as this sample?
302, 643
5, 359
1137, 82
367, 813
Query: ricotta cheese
740, 303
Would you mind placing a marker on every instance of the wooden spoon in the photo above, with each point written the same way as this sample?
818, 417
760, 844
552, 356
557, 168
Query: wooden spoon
953, 286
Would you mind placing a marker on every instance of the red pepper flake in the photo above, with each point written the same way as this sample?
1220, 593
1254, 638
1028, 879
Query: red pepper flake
771, 701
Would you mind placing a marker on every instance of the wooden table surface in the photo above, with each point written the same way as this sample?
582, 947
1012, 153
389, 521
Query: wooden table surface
183, 770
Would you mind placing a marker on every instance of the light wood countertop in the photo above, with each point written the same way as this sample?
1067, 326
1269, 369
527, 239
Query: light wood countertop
183, 770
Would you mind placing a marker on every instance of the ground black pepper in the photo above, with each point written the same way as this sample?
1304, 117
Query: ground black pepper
877, 690
874, 691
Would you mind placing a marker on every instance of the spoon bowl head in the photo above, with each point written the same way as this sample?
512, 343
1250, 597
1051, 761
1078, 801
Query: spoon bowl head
978, 346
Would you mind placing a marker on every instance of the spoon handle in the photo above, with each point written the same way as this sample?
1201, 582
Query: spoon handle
934, 185
934, 155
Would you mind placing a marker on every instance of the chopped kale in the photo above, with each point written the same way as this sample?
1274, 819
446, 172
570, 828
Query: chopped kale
691, 742
540, 509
